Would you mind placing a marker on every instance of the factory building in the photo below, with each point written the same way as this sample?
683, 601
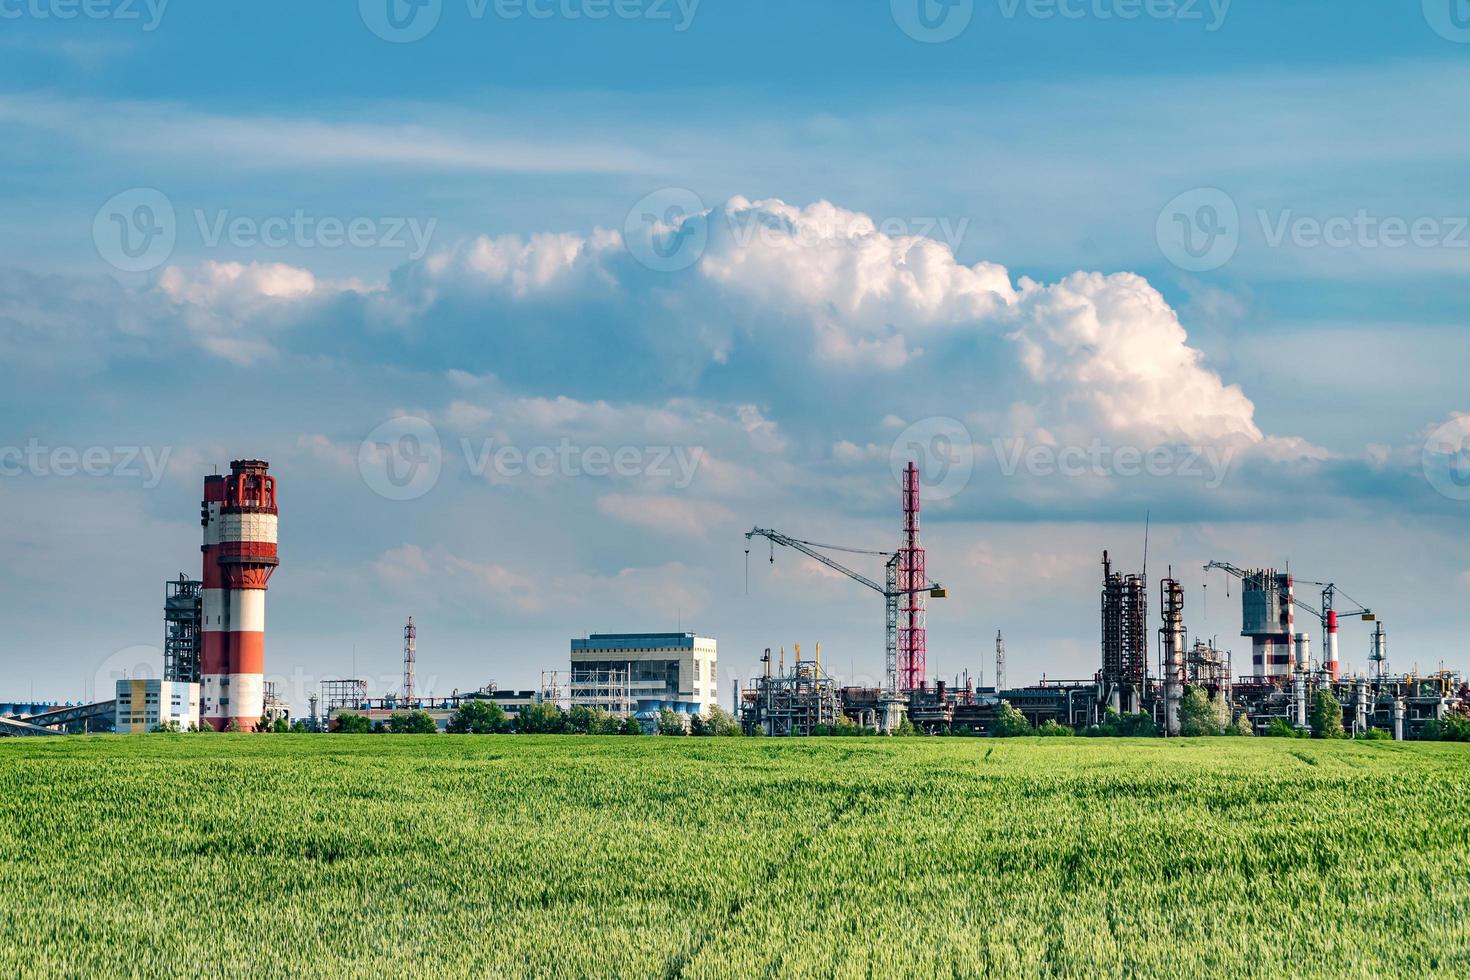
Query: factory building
239, 516
380, 711
650, 671
145, 705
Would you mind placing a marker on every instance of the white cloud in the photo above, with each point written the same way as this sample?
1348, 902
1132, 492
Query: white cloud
666, 514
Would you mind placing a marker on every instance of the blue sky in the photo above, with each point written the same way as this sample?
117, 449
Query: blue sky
886, 233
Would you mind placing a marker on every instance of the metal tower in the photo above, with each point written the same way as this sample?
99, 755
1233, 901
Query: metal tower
410, 660
1000, 662
912, 580
183, 611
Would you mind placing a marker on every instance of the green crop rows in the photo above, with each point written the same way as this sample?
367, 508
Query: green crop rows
251, 856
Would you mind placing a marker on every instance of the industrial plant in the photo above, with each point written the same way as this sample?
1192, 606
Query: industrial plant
214, 657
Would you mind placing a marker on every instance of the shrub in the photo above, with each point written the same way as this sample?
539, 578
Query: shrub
1281, 728
348, 723
722, 723
542, 718
670, 722
1197, 714
1010, 723
631, 726
1373, 735
478, 718
1052, 728
1451, 728
412, 723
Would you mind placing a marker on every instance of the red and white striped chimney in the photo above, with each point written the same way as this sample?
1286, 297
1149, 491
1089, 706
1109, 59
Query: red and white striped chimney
239, 518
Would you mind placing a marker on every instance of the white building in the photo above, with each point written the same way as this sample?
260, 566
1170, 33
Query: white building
145, 705
652, 671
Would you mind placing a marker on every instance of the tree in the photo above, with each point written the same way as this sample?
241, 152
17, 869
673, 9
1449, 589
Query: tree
478, 717
280, 726
167, 728
631, 726
1010, 723
542, 718
698, 727
348, 723
670, 722
1241, 726
905, 728
722, 723
1326, 715
299, 727
233, 727
1052, 727
1196, 714
412, 723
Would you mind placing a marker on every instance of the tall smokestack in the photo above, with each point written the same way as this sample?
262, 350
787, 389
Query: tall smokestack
913, 577
239, 517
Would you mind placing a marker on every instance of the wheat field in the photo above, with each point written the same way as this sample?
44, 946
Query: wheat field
236, 856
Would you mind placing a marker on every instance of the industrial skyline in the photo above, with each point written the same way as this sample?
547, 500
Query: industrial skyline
532, 347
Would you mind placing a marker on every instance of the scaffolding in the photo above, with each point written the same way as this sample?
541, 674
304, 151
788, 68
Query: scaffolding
183, 608
336, 694
791, 704
609, 690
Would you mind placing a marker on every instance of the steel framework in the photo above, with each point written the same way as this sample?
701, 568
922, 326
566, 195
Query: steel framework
183, 610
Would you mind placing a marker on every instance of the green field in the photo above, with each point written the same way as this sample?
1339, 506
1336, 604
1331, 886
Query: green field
564, 856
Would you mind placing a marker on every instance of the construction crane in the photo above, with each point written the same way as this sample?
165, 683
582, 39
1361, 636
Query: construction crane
889, 590
1328, 615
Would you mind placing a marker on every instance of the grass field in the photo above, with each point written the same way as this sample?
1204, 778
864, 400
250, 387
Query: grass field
510, 856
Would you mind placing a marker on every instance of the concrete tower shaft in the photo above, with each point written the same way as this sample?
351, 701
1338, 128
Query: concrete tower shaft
240, 523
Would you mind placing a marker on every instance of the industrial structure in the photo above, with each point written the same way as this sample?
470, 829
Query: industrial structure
643, 673
146, 705
214, 660
239, 517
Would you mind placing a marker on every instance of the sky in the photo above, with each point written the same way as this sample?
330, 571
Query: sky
536, 306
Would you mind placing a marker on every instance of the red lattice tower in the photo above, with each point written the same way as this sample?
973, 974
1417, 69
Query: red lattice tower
913, 581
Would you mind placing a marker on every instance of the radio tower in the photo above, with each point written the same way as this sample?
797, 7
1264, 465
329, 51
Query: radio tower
912, 583
1000, 662
410, 659
239, 517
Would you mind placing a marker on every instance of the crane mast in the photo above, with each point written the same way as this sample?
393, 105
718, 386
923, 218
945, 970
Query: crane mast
890, 589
